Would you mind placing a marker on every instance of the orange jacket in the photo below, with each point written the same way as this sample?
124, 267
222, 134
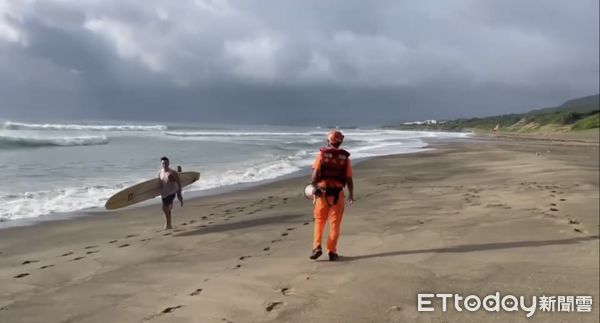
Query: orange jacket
336, 164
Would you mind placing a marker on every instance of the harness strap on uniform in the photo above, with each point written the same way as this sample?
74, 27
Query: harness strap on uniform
330, 191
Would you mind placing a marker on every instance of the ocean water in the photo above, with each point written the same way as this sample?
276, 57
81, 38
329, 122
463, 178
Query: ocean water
55, 168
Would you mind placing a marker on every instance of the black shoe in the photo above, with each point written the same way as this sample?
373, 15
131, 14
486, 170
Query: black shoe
316, 253
333, 256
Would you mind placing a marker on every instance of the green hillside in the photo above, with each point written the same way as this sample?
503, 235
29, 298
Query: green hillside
573, 115
584, 104
590, 122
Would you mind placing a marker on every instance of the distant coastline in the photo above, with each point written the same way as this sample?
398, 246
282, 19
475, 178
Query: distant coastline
581, 114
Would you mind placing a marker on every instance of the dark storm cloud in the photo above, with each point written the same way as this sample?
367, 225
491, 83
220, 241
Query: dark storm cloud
349, 62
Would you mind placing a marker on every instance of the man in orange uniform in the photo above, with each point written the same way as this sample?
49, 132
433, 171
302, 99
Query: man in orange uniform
331, 172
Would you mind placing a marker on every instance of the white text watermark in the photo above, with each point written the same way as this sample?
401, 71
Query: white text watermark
507, 303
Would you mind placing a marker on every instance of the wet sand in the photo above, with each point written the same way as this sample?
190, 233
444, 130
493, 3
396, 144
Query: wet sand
477, 217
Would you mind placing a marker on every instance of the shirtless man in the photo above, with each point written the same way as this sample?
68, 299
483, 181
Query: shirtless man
169, 187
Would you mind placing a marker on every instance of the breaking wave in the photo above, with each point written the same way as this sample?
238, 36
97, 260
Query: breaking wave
81, 127
17, 142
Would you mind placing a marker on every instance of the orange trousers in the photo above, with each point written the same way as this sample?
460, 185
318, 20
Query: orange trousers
325, 209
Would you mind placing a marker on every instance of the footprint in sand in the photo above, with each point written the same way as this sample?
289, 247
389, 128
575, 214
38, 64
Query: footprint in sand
553, 209
29, 262
266, 248
66, 254
90, 247
194, 221
562, 200
553, 204
573, 221
237, 266
165, 311
124, 245
276, 240
578, 230
290, 229
92, 251
21, 275
77, 258
170, 309
168, 234
286, 291
273, 305
46, 266
284, 234
306, 223
196, 292
393, 310
113, 241
244, 257
132, 235
143, 240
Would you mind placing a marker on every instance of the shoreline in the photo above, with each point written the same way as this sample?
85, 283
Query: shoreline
467, 217
194, 195
432, 143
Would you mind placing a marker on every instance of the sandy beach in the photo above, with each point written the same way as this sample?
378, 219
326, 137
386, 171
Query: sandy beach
473, 217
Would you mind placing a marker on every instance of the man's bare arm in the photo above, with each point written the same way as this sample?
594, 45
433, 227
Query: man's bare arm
179, 195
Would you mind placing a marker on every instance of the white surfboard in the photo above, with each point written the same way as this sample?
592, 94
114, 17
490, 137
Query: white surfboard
145, 191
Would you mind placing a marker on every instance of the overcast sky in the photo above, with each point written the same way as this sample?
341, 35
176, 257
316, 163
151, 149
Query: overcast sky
293, 62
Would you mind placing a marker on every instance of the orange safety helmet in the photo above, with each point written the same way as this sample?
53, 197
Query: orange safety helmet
335, 137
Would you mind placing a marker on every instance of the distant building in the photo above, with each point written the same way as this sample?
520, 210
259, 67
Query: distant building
427, 122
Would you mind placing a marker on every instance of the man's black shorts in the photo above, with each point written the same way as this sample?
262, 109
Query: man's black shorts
167, 201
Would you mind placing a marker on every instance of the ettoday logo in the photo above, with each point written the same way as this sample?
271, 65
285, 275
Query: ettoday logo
508, 303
